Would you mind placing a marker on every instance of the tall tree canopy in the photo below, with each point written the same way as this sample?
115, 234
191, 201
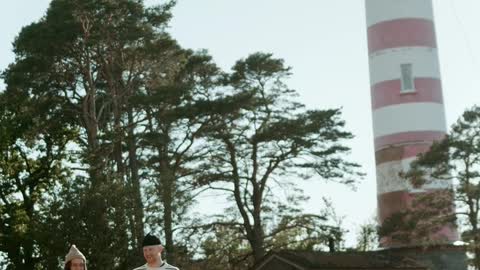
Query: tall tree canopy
266, 141
175, 116
90, 57
33, 151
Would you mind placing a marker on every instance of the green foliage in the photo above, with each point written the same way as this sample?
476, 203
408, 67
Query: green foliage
175, 115
33, 152
429, 212
226, 249
367, 237
309, 232
79, 64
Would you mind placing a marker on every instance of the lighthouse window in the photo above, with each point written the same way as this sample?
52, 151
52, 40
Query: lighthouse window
407, 78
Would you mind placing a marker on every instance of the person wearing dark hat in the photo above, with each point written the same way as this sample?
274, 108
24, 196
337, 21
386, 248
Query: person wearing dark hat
75, 260
152, 252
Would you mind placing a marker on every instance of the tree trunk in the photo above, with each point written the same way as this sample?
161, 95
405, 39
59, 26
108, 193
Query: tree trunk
28, 245
258, 244
136, 194
167, 180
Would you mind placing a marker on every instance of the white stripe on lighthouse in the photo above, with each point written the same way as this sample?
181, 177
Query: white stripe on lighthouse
386, 66
385, 10
389, 180
408, 117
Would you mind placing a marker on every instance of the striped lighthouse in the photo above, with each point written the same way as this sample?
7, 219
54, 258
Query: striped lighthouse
407, 105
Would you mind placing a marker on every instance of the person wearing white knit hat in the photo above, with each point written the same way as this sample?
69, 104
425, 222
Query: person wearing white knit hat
75, 260
152, 252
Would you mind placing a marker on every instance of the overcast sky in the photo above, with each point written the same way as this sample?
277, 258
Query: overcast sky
325, 44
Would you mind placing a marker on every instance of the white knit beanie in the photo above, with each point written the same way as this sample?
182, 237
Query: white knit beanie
74, 253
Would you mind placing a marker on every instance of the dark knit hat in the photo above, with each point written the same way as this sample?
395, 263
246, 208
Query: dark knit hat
150, 240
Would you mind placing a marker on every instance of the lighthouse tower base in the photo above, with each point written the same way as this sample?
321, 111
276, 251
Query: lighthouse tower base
440, 257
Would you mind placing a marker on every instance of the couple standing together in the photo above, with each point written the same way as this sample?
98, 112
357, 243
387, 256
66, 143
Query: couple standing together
152, 252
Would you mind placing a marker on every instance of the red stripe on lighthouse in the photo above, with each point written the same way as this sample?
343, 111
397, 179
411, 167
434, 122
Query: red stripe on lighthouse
408, 137
400, 201
393, 202
400, 153
408, 32
389, 92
